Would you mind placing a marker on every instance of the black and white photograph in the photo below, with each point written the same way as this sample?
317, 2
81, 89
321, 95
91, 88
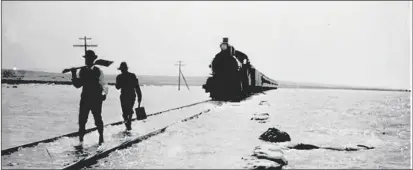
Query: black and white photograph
206, 85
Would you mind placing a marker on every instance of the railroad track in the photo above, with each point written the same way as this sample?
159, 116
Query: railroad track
73, 134
92, 159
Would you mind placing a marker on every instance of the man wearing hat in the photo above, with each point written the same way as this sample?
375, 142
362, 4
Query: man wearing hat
94, 92
129, 85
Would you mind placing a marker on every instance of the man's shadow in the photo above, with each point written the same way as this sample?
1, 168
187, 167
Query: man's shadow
79, 151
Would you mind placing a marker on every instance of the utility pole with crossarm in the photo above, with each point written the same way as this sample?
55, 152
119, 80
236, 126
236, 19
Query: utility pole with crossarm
179, 75
85, 45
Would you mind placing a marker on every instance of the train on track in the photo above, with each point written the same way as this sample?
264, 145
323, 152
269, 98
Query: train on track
233, 77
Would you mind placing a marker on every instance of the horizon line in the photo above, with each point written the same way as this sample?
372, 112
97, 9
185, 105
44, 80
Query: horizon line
286, 81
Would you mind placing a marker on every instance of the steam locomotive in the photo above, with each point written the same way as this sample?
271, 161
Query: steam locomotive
233, 77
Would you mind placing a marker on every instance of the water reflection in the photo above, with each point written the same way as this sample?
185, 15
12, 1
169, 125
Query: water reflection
122, 134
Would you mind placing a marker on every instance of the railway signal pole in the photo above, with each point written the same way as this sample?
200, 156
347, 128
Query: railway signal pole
85, 45
179, 75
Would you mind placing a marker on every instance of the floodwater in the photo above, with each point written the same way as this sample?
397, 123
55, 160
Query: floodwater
222, 137
34, 112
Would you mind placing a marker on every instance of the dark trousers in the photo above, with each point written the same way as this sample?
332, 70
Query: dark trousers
127, 103
87, 105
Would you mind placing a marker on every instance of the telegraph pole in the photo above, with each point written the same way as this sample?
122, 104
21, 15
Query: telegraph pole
85, 45
179, 75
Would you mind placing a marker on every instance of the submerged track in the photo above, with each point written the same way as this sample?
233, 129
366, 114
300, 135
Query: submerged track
73, 134
92, 159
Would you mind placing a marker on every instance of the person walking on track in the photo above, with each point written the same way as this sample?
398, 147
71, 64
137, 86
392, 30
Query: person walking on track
94, 92
129, 85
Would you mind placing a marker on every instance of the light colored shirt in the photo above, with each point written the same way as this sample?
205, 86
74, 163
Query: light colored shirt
103, 83
77, 82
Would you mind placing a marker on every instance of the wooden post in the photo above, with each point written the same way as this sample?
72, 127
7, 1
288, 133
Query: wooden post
85, 45
179, 75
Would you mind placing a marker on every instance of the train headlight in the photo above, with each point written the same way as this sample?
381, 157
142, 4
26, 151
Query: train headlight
224, 46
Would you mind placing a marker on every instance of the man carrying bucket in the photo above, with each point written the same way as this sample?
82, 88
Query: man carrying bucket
129, 85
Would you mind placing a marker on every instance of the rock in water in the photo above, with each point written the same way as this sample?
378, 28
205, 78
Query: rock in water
302, 146
364, 146
272, 156
262, 121
266, 157
12, 164
275, 135
264, 103
270, 153
260, 116
265, 164
254, 163
270, 147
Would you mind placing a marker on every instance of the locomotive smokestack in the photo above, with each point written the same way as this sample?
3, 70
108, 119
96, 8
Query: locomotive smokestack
225, 40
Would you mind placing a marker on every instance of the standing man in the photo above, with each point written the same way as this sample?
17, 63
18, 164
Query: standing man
94, 92
129, 85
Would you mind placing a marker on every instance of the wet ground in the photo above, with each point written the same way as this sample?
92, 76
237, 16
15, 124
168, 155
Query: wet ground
33, 112
226, 136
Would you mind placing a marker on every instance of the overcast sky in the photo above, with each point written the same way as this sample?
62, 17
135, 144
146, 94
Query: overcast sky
349, 43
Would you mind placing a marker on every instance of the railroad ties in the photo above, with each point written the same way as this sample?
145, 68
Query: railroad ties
74, 134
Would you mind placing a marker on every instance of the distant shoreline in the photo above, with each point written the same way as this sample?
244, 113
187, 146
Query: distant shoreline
38, 77
348, 88
16, 82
